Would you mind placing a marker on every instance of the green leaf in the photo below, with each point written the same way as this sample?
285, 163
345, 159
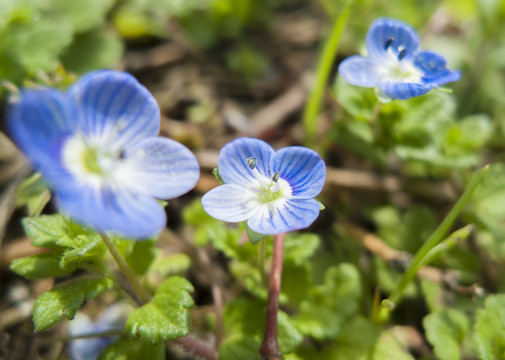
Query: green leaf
388, 348
141, 255
36, 40
40, 266
446, 330
84, 248
296, 279
253, 236
127, 348
46, 230
356, 342
34, 194
489, 328
83, 15
65, 300
299, 247
95, 49
245, 319
170, 265
166, 317
239, 347
359, 102
331, 304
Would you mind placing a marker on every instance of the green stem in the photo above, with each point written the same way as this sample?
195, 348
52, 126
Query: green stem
313, 105
130, 276
435, 238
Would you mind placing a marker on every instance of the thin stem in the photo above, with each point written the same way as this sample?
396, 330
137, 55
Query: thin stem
196, 347
326, 61
125, 269
435, 238
270, 346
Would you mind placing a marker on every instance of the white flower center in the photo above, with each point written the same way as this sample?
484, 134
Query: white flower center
397, 68
268, 189
89, 160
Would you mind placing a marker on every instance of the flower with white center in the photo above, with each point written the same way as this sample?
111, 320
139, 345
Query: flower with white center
272, 190
112, 318
98, 149
394, 65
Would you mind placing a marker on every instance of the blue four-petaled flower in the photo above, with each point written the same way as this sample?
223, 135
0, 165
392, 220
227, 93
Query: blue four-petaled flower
394, 65
273, 190
98, 149
112, 318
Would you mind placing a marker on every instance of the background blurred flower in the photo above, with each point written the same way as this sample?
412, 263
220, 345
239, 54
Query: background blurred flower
394, 64
273, 191
112, 318
97, 148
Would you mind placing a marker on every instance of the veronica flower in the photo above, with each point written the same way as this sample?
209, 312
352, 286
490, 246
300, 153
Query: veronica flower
394, 64
112, 318
273, 191
98, 149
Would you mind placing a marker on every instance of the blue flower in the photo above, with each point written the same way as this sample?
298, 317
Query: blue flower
112, 318
98, 149
273, 191
394, 65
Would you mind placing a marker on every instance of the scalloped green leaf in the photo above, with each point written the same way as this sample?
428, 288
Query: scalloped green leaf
83, 15
127, 348
446, 330
51, 306
244, 321
40, 266
489, 328
166, 317
46, 230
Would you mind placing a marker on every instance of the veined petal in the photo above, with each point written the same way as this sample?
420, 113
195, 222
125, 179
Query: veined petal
113, 208
388, 38
115, 107
360, 71
397, 90
302, 168
434, 68
232, 164
160, 167
230, 202
40, 122
284, 215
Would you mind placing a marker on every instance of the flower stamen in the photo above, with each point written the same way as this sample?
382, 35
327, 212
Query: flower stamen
388, 43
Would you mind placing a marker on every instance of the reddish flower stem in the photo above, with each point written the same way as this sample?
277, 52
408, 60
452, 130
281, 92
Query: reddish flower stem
269, 349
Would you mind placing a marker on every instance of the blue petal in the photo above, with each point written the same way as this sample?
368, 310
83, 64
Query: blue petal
434, 68
232, 160
230, 202
115, 209
160, 167
302, 168
389, 35
113, 103
39, 123
86, 349
283, 216
360, 71
404, 91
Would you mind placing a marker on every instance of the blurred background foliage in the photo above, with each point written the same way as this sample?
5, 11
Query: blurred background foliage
331, 284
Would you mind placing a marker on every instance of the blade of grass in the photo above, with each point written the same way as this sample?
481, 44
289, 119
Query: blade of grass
313, 105
436, 237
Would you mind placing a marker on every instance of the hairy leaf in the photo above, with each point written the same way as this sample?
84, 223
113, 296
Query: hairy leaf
51, 306
166, 317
